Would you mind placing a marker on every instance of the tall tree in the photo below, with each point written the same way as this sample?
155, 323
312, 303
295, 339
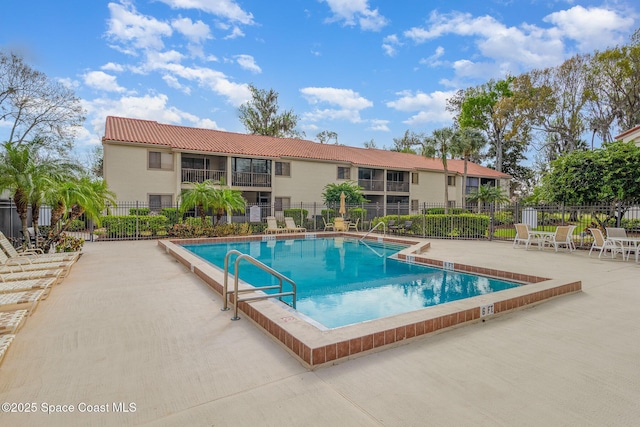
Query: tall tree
325, 136
407, 143
488, 194
554, 101
615, 88
37, 108
492, 108
260, 115
467, 143
206, 195
439, 145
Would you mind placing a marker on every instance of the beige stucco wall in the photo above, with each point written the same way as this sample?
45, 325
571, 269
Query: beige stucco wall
430, 188
127, 174
307, 181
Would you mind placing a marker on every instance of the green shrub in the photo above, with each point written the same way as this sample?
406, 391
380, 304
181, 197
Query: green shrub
139, 211
67, 243
440, 211
298, 215
462, 225
221, 230
76, 225
354, 213
503, 218
126, 225
172, 214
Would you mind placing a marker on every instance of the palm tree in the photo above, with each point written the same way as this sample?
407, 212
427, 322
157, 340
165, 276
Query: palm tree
27, 176
439, 145
228, 200
488, 194
205, 196
71, 199
467, 142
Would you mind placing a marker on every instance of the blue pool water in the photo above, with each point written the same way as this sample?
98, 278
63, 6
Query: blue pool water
343, 281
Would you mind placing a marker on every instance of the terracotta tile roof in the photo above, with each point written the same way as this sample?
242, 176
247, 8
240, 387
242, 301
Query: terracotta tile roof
625, 133
181, 138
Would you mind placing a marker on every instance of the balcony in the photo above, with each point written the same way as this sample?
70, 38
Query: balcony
251, 179
371, 185
200, 175
398, 186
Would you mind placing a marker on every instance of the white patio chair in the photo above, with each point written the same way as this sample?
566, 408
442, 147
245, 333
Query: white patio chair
600, 242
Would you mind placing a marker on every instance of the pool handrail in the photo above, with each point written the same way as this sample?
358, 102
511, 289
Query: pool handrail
384, 229
236, 291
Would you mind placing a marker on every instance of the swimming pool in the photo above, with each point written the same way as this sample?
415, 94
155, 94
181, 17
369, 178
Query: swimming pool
342, 281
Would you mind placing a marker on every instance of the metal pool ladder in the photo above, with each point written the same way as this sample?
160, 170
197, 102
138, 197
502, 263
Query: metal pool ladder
384, 229
237, 291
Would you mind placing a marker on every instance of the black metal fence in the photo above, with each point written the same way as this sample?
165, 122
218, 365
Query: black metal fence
138, 220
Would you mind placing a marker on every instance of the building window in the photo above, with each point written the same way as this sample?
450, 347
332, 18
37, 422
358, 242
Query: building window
282, 203
283, 169
414, 205
414, 177
344, 172
160, 160
451, 180
159, 201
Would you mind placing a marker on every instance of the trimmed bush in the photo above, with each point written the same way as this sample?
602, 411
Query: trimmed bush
298, 215
440, 211
354, 213
76, 225
462, 225
121, 226
139, 211
172, 214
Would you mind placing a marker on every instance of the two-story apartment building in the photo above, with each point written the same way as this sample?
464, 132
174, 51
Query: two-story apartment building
152, 162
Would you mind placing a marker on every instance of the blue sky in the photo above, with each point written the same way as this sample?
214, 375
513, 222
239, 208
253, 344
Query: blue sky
366, 69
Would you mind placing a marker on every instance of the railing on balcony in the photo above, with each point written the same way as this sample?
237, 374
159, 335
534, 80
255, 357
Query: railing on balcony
251, 179
398, 186
371, 185
200, 175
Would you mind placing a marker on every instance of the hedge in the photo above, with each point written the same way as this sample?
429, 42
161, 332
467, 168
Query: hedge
125, 225
462, 225
298, 215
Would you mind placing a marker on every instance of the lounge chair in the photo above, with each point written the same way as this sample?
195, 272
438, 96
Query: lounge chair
290, 225
45, 284
353, 225
30, 275
5, 342
12, 321
620, 233
562, 237
328, 225
391, 226
17, 264
524, 235
37, 255
272, 226
27, 300
600, 242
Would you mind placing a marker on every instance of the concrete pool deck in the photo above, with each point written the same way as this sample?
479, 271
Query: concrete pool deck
132, 325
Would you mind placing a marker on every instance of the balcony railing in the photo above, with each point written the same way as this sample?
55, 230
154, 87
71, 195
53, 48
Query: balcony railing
251, 179
200, 175
371, 185
398, 186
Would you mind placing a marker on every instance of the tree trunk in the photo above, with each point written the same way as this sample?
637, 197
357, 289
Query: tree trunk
22, 207
446, 190
56, 214
35, 218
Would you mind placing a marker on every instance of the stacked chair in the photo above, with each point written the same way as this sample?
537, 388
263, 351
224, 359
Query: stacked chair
26, 278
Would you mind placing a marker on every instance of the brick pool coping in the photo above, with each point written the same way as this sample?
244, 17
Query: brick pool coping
315, 347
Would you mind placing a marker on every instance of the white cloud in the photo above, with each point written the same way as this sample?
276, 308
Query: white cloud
143, 107
102, 81
111, 66
235, 33
431, 107
345, 98
349, 104
592, 28
227, 9
390, 43
196, 32
356, 12
434, 60
379, 125
131, 30
248, 63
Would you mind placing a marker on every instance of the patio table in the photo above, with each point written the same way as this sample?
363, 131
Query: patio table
543, 236
626, 243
